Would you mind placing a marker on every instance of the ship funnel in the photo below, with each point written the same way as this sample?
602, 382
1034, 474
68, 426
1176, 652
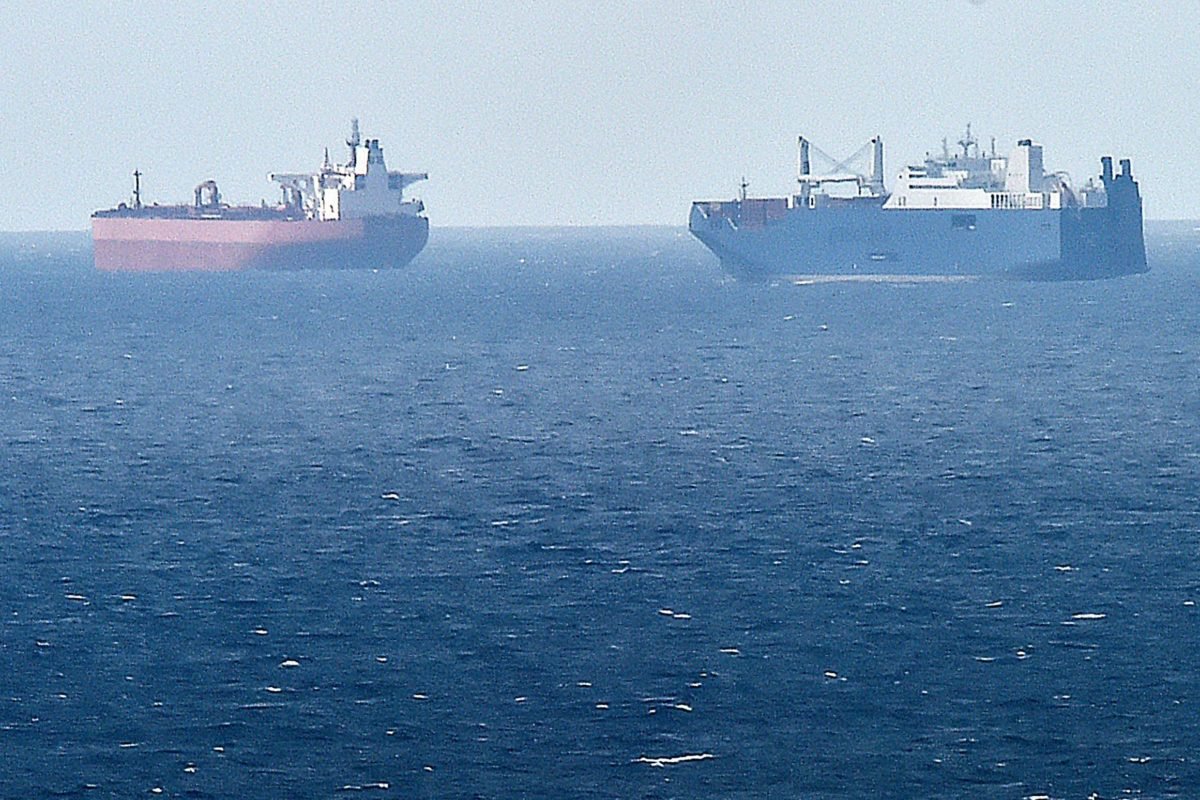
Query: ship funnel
1106, 174
1126, 169
877, 166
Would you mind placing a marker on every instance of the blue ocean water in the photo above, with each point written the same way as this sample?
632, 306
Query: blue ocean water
561, 513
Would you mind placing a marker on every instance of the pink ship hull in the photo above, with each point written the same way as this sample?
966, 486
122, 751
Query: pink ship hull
148, 244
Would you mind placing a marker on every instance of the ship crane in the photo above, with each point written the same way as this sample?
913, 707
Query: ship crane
354, 141
214, 195
840, 171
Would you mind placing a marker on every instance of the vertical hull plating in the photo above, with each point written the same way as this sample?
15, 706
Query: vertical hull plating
129, 243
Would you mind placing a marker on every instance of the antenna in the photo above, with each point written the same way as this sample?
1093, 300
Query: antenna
137, 188
743, 186
967, 141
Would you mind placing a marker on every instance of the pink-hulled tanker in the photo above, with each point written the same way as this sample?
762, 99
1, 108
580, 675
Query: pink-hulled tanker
341, 216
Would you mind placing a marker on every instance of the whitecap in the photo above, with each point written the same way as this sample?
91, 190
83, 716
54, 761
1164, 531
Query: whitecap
666, 761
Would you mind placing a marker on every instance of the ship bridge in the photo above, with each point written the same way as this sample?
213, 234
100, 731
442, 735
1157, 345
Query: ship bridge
975, 179
362, 187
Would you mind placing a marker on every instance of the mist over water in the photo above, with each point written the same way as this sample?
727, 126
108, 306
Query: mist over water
569, 513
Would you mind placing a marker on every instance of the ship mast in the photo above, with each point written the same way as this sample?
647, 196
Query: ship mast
966, 142
137, 188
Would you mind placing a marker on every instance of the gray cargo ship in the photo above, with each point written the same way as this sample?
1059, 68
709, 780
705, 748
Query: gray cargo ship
960, 213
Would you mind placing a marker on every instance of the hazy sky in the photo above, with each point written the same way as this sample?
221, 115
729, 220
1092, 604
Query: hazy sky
576, 113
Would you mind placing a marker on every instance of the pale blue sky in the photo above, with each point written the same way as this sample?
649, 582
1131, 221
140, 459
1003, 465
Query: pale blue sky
576, 113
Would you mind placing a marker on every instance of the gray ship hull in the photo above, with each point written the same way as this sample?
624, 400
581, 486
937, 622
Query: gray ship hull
757, 238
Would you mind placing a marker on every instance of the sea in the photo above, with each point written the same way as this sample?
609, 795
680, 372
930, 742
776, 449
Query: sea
570, 513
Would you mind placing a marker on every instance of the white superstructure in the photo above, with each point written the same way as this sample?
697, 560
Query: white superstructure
970, 179
982, 181
361, 188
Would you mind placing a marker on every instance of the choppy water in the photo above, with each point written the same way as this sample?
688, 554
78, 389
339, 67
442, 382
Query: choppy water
569, 514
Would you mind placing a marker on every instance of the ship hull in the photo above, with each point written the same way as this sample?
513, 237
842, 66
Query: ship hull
764, 238
148, 244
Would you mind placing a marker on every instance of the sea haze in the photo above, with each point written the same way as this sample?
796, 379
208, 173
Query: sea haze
568, 513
